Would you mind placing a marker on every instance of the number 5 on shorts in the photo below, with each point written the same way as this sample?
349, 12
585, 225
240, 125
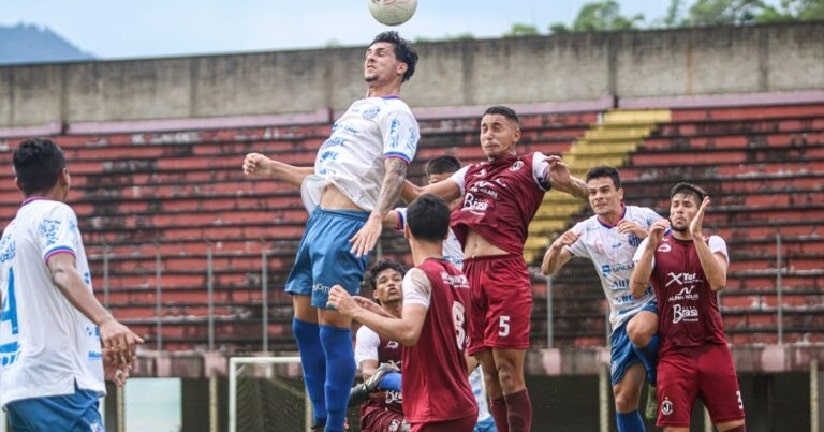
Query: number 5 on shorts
503, 324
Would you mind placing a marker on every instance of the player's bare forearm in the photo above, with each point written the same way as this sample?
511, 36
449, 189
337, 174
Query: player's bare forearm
552, 259
575, 187
396, 170
394, 328
714, 270
71, 285
291, 174
410, 191
639, 281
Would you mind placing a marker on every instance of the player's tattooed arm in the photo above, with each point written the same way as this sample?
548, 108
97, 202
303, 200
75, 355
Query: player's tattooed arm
396, 170
365, 239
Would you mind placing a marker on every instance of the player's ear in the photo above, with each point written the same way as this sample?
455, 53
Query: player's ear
19, 184
406, 232
401, 69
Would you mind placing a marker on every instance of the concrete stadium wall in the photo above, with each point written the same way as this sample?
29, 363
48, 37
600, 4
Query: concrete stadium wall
524, 70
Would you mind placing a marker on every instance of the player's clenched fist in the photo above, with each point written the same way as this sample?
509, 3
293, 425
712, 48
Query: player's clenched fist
256, 165
567, 238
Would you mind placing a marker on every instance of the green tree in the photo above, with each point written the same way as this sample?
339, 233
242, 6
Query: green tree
604, 16
805, 10
729, 12
522, 29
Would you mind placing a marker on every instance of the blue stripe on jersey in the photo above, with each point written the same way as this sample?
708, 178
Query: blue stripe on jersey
400, 155
57, 250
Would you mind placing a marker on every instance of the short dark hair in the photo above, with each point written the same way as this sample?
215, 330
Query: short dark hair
38, 163
442, 164
602, 171
404, 51
505, 111
428, 218
377, 268
689, 189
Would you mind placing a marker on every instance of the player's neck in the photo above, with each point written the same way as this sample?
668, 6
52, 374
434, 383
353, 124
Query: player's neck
384, 90
612, 218
393, 307
421, 250
682, 235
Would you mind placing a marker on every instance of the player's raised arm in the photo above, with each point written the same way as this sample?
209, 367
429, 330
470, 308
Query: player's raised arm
557, 254
644, 259
713, 256
258, 165
560, 178
406, 329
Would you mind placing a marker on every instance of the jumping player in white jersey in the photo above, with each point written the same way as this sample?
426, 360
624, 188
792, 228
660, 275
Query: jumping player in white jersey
609, 238
356, 180
52, 364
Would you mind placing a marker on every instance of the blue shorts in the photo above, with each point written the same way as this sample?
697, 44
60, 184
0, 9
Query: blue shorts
76, 412
323, 259
621, 354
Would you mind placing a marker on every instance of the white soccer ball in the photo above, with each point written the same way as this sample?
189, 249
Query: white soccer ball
392, 12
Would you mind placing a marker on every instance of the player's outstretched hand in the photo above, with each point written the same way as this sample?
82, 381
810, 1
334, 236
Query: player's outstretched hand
697, 224
558, 170
567, 238
113, 369
119, 340
365, 239
629, 227
656, 232
341, 301
255, 165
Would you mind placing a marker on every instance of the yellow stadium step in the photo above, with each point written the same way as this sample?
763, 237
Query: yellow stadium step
609, 142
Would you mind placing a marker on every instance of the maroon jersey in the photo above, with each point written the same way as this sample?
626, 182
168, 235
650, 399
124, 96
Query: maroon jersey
500, 199
367, 344
687, 307
435, 385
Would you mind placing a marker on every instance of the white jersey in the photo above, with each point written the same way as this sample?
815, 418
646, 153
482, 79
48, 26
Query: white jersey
611, 253
476, 381
452, 251
46, 345
352, 158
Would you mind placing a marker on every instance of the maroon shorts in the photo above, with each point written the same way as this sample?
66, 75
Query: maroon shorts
380, 419
465, 424
501, 302
703, 372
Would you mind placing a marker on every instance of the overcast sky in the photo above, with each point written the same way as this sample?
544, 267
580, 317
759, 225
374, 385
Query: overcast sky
150, 28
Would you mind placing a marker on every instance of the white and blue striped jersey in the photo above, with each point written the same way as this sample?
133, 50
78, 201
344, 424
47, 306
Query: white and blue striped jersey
352, 158
46, 344
612, 254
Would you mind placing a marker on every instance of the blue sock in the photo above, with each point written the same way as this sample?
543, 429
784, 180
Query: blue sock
313, 362
630, 422
649, 355
391, 381
340, 374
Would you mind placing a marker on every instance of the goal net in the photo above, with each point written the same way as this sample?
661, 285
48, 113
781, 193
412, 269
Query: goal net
267, 394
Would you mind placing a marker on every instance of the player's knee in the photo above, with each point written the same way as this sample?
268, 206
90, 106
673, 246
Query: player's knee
626, 400
641, 328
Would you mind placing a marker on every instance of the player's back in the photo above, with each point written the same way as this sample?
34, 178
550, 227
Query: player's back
46, 345
611, 253
435, 386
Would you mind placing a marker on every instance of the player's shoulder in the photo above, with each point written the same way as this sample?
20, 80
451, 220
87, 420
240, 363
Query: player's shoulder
50, 208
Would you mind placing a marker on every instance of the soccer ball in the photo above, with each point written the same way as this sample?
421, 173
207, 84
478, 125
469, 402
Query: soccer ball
392, 12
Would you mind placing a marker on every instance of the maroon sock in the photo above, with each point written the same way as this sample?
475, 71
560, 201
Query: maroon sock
498, 408
519, 410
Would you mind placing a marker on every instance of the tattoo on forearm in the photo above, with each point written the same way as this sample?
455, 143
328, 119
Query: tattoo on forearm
392, 183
